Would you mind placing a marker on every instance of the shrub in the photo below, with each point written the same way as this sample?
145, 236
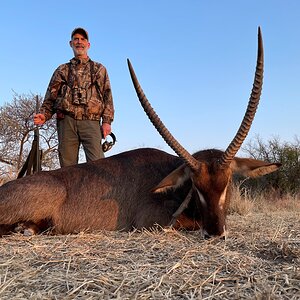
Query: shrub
287, 179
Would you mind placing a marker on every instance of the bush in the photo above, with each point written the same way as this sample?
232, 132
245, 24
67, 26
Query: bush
287, 179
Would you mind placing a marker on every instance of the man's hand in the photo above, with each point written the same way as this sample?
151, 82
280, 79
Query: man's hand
39, 119
106, 130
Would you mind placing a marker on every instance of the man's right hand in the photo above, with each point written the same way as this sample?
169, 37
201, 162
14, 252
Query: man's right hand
39, 119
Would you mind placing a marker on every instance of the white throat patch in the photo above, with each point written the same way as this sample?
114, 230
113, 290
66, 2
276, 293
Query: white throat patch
223, 198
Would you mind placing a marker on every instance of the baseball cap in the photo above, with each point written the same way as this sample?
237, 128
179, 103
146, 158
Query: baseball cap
80, 31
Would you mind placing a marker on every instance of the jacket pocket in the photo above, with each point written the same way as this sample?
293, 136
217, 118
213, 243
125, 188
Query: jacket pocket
63, 101
95, 107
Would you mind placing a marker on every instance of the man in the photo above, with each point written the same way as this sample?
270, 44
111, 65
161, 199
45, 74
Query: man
79, 93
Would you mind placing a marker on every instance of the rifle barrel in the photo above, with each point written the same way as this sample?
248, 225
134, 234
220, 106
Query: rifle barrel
37, 137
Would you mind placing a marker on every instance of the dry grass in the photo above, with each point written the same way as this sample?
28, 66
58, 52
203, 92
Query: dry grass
260, 259
243, 202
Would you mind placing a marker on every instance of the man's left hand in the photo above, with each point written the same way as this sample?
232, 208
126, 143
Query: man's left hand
106, 129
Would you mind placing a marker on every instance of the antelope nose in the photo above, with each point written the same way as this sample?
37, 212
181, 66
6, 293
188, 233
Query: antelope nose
207, 236
223, 237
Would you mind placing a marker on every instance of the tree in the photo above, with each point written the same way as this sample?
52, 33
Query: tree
16, 135
287, 178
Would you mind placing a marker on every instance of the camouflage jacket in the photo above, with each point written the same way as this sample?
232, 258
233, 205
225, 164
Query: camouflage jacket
80, 89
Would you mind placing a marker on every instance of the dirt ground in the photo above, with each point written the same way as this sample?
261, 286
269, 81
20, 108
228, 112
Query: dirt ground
259, 259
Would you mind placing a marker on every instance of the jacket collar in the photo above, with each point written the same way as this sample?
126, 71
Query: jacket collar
76, 61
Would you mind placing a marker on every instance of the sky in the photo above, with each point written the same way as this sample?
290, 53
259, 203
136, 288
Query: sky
194, 59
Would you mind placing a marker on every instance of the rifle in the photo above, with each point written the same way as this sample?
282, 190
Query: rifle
33, 161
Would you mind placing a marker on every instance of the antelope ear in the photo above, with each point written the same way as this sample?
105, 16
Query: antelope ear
173, 180
252, 167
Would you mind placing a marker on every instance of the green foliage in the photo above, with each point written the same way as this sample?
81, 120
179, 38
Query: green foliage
287, 178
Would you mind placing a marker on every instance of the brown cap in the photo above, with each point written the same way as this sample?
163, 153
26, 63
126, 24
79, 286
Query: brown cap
80, 31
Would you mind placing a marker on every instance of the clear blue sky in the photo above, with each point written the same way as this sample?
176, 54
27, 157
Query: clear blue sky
194, 59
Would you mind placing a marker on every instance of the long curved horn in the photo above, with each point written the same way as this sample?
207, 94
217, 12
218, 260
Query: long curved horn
241, 134
158, 124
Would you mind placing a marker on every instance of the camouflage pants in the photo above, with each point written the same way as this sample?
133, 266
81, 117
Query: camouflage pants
72, 133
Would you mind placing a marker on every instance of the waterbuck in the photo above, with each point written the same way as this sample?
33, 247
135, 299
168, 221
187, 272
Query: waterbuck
140, 188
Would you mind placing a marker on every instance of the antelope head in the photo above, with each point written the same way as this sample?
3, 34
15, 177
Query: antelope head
210, 171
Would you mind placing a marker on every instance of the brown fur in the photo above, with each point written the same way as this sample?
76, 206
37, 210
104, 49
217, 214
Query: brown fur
183, 222
116, 193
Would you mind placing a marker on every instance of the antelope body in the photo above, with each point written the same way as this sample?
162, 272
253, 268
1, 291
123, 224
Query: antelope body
138, 188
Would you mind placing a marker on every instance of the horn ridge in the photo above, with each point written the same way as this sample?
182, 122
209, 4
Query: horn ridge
242, 132
158, 124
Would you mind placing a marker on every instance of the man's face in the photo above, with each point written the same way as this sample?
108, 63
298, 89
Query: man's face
80, 45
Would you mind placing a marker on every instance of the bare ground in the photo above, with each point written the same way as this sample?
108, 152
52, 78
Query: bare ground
260, 259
